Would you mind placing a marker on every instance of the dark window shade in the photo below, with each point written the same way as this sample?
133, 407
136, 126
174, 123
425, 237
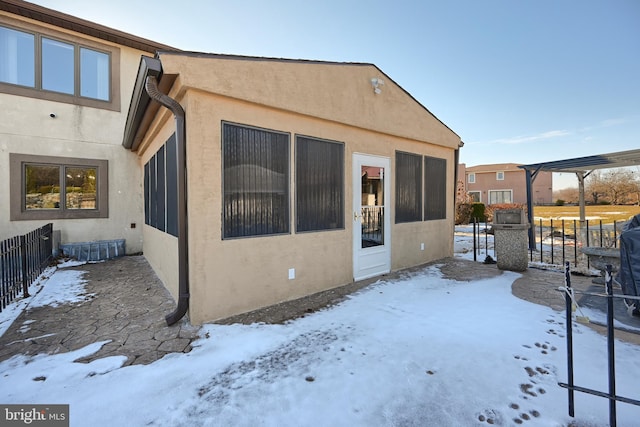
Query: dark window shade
408, 187
161, 189
435, 188
161, 182
319, 184
147, 194
153, 193
172, 186
255, 181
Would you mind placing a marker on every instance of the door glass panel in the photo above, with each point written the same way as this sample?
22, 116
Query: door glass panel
372, 209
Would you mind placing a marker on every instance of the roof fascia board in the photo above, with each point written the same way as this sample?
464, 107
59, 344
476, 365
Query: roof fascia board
73, 23
140, 100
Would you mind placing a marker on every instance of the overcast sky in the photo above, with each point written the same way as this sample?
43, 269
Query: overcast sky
519, 81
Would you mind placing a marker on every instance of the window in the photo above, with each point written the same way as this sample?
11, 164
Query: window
500, 196
500, 176
435, 188
255, 164
17, 53
475, 196
42, 63
472, 178
319, 184
408, 187
161, 189
58, 188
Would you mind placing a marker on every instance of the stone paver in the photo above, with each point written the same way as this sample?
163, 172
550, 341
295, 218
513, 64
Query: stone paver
128, 310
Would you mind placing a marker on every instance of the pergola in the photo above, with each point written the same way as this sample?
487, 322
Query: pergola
582, 167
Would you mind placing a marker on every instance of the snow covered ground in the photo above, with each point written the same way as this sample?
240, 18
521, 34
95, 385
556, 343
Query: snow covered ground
418, 351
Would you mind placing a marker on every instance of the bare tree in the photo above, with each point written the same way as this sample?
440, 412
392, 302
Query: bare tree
568, 195
617, 186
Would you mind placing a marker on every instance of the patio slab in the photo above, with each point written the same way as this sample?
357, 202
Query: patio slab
127, 309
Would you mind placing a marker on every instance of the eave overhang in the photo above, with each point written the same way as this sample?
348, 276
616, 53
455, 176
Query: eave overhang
141, 109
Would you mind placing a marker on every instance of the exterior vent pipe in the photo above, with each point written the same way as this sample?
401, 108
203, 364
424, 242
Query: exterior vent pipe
151, 86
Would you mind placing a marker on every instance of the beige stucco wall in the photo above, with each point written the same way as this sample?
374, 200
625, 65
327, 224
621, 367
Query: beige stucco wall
238, 275
79, 132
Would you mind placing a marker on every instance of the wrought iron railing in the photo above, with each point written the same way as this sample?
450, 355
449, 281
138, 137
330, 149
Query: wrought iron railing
22, 259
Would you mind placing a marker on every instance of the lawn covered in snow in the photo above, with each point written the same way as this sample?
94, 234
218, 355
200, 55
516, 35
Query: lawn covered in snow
417, 351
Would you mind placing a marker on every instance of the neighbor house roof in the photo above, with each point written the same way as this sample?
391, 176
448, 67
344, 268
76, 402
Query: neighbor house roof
69, 22
583, 164
497, 167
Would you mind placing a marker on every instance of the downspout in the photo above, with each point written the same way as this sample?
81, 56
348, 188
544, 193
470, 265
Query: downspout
151, 86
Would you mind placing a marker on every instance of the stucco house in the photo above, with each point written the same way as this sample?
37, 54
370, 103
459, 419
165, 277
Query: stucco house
65, 88
244, 181
504, 183
269, 179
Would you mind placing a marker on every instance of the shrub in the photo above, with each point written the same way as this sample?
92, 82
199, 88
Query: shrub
478, 212
559, 202
463, 213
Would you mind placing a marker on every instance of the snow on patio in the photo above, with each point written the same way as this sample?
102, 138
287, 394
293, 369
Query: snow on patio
417, 351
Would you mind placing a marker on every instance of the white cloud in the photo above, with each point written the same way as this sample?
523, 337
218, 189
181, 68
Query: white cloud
523, 139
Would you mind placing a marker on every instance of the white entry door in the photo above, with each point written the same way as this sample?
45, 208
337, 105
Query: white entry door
371, 219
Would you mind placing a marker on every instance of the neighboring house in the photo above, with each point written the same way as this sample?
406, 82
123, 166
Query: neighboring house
504, 183
290, 177
65, 86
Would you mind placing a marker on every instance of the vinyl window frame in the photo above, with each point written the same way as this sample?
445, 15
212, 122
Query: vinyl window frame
114, 101
336, 175
403, 212
284, 216
17, 192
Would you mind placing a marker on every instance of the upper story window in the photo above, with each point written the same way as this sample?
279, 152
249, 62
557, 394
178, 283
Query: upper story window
49, 65
472, 178
500, 176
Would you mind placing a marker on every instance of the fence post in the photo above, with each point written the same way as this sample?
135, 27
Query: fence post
541, 249
611, 348
553, 238
23, 256
568, 303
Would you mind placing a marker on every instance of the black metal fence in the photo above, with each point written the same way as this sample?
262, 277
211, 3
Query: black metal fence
557, 241
561, 241
611, 373
22, 259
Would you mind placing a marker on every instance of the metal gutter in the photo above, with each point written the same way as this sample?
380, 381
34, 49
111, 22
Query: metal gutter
151, 87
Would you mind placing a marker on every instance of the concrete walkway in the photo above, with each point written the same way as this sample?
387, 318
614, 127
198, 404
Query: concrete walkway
130, 303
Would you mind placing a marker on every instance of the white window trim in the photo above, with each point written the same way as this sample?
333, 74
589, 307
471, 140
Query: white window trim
500, 176
501, 191
471, 178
